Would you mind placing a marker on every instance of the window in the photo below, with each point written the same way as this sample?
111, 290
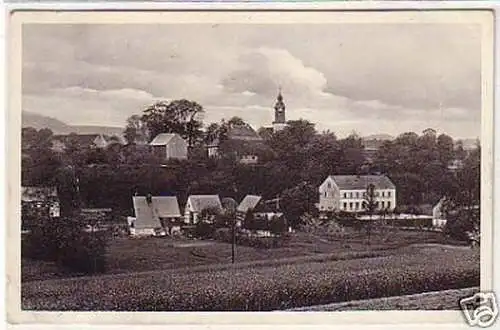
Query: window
388, 194
357, 205
329, 185
376, 205
383, 204
345, 195
326, 194
357, 194
350, 206
345, 206
388, 204
383, 194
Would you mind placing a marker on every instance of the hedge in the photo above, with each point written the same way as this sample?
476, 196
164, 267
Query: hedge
244, 239
259, 289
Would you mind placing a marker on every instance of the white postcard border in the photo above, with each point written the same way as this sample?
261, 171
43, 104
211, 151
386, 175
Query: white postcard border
13, 170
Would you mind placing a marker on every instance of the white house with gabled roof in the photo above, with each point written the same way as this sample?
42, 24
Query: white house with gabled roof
348, 193
195, 204
169, 146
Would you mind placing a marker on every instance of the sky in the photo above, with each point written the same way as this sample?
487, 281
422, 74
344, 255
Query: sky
368, 78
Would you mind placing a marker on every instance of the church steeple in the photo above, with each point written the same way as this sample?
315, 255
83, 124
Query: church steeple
279, 112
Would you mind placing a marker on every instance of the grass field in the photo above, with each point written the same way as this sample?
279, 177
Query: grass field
126, 255
409, 270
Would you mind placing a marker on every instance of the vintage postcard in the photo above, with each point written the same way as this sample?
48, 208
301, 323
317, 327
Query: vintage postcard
325, 166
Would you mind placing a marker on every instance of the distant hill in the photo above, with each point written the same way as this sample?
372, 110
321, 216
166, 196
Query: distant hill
37, 121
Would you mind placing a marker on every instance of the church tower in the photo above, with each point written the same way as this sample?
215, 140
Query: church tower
279, 113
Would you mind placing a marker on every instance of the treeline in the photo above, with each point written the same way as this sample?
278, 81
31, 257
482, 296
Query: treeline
292, 164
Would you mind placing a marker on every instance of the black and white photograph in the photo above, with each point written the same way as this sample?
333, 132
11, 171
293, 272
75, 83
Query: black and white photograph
252, 162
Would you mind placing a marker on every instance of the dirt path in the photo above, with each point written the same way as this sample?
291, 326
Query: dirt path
446, 246
437, 300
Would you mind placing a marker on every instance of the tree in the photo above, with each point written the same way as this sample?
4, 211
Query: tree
463, 206
278, 226
236, 121
324, 158
216, 132
249, 220
351, 155
370, 204
297, 201
179, 116
41, 163
445, 148
291, 141
229, 206
136, 130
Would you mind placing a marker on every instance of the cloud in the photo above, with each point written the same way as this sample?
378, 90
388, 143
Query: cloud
343, 77
262, 70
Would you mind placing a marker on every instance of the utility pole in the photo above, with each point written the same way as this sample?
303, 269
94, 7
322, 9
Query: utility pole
233, 240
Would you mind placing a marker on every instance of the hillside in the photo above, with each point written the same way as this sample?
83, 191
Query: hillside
38, 121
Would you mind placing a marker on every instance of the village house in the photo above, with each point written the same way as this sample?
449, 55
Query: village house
263, 211
197, 203
438, 215
248, 203
169, 146
242, 141
348, 193
38, 202
153, 213
93, 141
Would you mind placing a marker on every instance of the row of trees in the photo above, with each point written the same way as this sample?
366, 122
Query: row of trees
292, 164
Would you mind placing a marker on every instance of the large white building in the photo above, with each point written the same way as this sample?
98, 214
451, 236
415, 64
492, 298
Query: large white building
348, 193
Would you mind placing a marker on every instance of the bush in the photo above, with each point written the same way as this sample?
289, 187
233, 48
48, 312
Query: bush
251, 239
223, 235
460, 223
204, 230
64, 241
260, 289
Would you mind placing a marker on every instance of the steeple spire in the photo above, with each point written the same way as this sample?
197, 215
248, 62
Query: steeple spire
279, 112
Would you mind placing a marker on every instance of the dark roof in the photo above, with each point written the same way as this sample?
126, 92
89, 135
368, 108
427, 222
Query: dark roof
358, 182
88, 139
200, 202
249, 202
84, 139
266, 132
244, 146
243, 132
